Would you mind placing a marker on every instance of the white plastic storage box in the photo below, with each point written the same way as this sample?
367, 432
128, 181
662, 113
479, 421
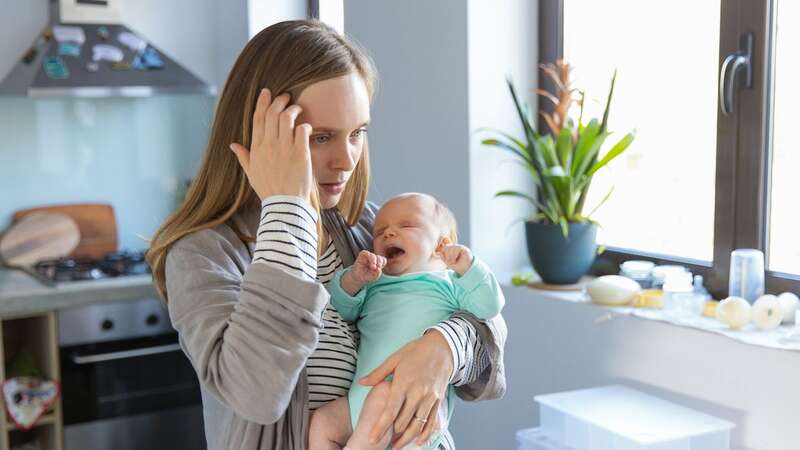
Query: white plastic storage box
536, 439
620, 418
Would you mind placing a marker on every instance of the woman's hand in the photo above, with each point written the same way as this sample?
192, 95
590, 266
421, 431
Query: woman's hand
279, 160
422, 370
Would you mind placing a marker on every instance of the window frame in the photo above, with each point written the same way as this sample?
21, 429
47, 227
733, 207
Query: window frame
743, 156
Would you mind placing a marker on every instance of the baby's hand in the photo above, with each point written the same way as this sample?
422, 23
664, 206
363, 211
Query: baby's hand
457, 257
368, 267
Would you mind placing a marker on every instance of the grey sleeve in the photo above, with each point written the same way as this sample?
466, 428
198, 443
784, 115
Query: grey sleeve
247, 335
482, 373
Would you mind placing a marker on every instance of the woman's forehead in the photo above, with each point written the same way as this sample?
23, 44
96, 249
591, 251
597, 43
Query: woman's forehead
335, 104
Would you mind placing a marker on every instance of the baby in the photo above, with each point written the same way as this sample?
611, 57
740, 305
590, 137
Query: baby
417, 277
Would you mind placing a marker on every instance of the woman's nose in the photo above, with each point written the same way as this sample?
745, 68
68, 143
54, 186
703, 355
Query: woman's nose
344, 158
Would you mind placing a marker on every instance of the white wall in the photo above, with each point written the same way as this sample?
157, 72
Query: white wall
20, 23
419, 134
502, 41
263, 13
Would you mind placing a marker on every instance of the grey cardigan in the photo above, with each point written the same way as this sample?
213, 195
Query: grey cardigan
249, 329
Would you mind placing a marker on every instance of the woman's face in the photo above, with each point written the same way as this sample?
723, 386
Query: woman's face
338, 111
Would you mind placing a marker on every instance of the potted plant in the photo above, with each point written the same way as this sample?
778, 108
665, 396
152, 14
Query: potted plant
561, 162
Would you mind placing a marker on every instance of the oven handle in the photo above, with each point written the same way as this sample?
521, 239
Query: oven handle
112, 356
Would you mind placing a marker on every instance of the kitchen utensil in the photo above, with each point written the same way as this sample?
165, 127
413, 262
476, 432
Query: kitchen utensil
96, 222
38, 237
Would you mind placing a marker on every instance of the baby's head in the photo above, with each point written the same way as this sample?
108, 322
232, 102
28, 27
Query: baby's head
409, 230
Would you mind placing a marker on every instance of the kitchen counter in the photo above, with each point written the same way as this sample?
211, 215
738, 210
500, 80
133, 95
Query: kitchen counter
22, 295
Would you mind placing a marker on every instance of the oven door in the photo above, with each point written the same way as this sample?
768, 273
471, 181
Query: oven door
130, 394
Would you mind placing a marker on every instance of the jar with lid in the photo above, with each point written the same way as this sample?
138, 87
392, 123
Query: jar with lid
638, 271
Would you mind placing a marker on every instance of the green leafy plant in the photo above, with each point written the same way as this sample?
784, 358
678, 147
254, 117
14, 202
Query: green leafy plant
562, 161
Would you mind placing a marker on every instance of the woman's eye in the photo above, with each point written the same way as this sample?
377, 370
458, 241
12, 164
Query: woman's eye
320, 139
359, 133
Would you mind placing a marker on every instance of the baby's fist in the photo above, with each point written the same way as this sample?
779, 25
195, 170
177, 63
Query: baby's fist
457, 257
368, 266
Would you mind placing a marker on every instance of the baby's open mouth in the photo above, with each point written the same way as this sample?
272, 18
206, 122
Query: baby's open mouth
393, 252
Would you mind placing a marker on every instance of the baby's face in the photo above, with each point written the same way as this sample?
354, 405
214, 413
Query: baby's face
406, 234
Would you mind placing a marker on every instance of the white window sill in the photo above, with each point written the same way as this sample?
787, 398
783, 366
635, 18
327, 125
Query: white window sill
776, 339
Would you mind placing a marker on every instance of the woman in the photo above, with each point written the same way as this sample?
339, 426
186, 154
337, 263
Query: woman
242, 263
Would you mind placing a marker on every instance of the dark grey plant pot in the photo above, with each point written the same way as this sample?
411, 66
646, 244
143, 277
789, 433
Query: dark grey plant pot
558, 260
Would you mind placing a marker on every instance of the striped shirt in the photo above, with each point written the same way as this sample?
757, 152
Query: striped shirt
287, 238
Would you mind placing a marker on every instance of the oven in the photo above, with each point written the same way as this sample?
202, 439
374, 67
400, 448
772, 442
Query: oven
126, 384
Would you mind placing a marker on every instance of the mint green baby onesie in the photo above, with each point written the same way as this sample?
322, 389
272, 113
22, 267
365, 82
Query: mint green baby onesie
394, 310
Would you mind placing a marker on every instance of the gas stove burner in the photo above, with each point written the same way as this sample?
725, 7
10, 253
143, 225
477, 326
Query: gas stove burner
125, 263
122, 263
78, 270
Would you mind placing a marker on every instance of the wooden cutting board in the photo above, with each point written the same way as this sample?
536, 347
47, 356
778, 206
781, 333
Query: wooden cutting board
37, 237
96, 222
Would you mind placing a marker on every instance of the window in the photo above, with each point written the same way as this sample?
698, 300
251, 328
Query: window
699, 181
665, 181
784, 224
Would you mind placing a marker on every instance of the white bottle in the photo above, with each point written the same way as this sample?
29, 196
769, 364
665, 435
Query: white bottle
678, 293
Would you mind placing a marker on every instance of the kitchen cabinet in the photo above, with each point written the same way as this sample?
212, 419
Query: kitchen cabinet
37, 334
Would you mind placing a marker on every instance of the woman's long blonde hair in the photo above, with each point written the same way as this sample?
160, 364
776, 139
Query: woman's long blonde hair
285, 57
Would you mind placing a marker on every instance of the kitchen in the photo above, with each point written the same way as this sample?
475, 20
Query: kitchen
123, 158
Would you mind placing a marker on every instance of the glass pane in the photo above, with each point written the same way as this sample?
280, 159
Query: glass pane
663, 198
784, 243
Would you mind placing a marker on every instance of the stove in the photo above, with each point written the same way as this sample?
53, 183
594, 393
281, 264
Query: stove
116, 264
125, 383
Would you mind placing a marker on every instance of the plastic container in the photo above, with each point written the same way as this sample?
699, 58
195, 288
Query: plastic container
660, 274
638, 271
536, 439
746, 277
620, 418
678, 291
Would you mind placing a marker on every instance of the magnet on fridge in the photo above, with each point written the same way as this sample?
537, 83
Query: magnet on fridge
103, 33
30, 55
69, 49
148, 59
121, 65
92, 66
54, 67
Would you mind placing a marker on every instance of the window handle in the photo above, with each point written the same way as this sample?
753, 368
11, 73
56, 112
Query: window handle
735, 63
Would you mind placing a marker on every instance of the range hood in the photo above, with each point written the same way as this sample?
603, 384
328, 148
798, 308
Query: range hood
59, 64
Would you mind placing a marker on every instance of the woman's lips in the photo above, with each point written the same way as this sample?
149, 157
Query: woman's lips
333, 188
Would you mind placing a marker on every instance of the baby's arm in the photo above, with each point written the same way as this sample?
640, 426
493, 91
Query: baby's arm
346, 287
477, 289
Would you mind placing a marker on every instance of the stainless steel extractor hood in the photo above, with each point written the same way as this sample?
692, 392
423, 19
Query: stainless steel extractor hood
102, 65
